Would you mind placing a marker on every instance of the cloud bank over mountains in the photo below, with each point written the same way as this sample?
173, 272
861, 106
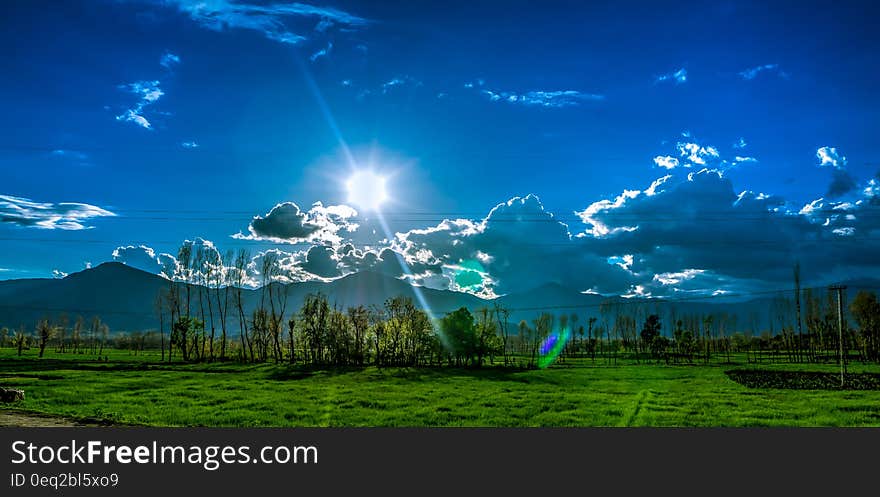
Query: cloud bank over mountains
688, 232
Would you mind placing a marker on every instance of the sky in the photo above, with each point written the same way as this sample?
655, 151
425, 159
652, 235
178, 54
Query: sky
627, 148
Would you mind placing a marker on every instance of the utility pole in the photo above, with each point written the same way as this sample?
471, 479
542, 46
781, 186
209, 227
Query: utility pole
840, 289
797, 300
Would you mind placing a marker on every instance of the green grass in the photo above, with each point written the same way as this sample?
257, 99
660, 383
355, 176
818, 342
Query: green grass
138, 390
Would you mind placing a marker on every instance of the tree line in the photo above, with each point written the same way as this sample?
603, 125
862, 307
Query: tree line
205, 294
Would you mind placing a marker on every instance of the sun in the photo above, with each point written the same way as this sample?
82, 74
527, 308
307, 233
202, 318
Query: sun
366, 189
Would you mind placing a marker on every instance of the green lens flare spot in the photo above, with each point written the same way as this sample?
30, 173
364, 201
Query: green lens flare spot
552, 346
470, 274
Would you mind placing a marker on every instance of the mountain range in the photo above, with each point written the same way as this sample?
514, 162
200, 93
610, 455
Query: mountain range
125, 299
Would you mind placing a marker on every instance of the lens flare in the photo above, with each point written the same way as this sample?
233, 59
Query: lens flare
552, 346
367, 189
469, 275
417, 291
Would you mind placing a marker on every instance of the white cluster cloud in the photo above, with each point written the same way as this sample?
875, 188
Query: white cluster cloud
678, 77
753, 72
842, 182
270, 19
697, 154
828, 156
45, 215
541, 98
169, 60
682, 235
517, 246
691, 154
398, 82
287, 223
204, 262
146, 259
148, 93
666, 161
322, 52
697, 230
686, 232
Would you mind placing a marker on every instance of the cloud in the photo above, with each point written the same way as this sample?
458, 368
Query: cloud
753, 72
57, 274
322, 52
73, 154
287, 223
872, 189
131, 115
666, 161
62, 216
189, 144
169, 60
684, 234
321, 261
517, 246
697, 154
691, 153
203, 261
323, 25
148, 92
398, 82
828, 156
741, 143
551, 99
678, 77
146, 259
841, 184
699, 226
273, 20
676, 278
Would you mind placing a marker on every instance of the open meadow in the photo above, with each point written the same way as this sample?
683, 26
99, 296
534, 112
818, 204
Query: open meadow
140, 390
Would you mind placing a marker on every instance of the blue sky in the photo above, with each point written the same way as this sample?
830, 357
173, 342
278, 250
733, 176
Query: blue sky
165, 121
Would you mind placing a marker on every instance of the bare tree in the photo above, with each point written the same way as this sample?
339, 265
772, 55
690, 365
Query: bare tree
240, 272
503, 317
44, 334
223, 279
797, 304
61, 331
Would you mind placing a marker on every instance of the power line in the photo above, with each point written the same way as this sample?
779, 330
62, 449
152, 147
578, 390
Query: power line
574, 243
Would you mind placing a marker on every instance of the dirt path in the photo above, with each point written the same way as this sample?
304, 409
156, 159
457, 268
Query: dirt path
14, 418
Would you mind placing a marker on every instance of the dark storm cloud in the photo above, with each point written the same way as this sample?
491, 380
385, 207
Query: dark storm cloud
841, 184
287, 223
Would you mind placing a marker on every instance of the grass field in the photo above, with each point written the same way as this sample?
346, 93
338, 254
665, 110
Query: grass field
137, 390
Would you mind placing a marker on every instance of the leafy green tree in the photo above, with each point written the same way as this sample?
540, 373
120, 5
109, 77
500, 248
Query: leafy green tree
359, 317
486, 342
185, 329
650, 331
459, 329
659, 347
314, 317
